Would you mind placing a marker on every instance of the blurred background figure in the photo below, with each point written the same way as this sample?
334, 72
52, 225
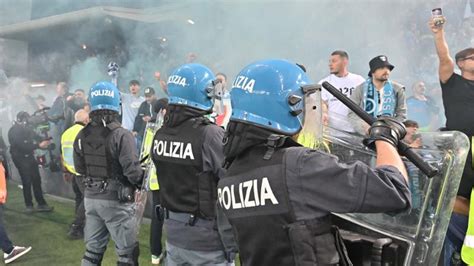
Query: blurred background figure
130, 104
422, 108
23, 142
78, 100
145, 114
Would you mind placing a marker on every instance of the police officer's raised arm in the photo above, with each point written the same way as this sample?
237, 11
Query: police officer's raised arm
318, 181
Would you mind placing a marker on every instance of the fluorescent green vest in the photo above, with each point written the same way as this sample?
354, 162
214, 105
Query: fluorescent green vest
147, 144
467, 251
67, 142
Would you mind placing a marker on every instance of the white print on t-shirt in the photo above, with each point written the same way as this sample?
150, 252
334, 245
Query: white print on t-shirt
337, 111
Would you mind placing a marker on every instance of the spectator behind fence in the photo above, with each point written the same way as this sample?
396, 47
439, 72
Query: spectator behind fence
334, 111
379, 95
458, 99
130, 104
422, 108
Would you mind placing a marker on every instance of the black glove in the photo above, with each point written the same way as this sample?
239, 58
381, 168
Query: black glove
386, 129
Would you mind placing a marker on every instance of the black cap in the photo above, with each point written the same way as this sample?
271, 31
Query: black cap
149, 91
379, 62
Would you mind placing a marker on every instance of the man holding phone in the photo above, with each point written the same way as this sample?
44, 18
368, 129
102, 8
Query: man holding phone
458, 96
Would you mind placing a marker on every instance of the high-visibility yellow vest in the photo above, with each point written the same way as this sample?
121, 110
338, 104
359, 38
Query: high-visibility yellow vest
309, 140
467, 251
67, 143
147, 144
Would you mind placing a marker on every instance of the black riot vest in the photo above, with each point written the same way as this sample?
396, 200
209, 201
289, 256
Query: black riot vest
177, 155
95, 148
254, 196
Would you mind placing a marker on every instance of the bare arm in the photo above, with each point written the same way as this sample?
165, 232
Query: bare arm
388, 155
446, 63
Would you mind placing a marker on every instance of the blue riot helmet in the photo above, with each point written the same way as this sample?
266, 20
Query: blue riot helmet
268, 94
192, 85
104, 96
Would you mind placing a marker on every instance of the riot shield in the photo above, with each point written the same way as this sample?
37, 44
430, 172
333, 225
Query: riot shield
416, 236
149, 170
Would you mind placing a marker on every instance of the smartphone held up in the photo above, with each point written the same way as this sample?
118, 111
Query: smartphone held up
438, 18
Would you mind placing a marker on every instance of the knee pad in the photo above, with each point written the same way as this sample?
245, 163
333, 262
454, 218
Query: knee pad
130, 259
93, 257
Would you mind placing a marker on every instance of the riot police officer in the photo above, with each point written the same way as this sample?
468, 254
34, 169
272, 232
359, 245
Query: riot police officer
23, 142
277, 194
188, 155
105, 154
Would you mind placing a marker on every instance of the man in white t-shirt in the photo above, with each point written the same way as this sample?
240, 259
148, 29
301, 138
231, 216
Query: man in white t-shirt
335, 112
130, 104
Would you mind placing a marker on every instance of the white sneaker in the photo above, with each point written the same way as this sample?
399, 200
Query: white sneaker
16, 253
156, 260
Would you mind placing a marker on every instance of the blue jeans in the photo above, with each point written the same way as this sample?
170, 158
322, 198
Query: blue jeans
5, 242
139, 140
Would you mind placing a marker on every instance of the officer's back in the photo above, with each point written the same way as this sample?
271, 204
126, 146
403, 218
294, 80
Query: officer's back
105, 153
187, 153
277, 194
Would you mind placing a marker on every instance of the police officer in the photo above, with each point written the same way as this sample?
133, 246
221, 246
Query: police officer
187, 153
277, 194
81, 118
105, 153
23, 142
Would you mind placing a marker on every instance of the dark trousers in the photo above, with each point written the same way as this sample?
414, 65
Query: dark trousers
78, 188
156, 225
5, 242
30, 177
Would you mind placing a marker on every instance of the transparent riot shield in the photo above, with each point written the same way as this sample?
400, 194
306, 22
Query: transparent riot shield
149, 170
416, 236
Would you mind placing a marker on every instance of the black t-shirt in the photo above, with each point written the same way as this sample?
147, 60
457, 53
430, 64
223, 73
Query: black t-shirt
458, 99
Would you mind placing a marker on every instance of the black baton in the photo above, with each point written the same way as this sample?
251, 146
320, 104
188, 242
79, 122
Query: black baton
403, 148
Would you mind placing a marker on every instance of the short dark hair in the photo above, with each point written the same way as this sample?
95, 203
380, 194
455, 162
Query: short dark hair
134, 82
41, 97
81, 90
463, 54
411, 123
340, 53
